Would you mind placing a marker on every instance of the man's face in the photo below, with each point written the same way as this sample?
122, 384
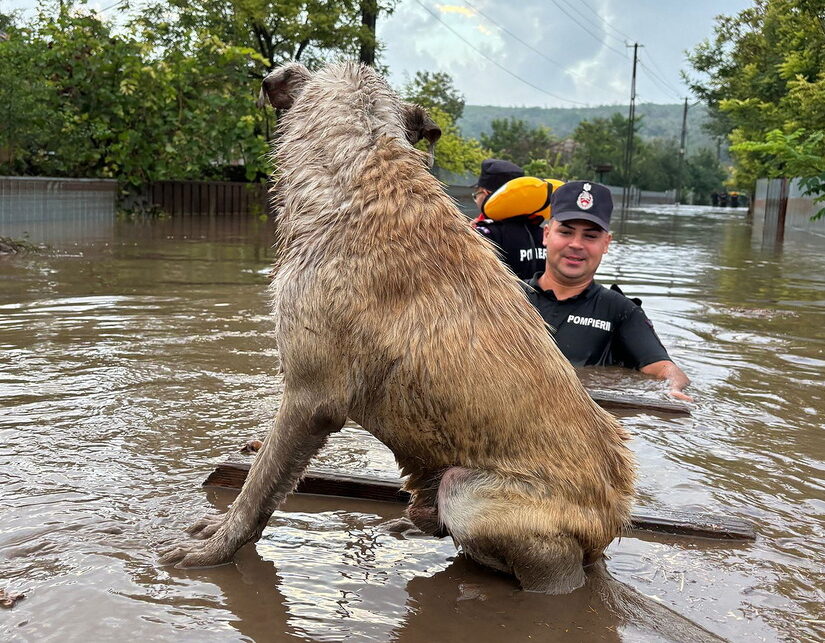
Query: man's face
479, 195
574, 249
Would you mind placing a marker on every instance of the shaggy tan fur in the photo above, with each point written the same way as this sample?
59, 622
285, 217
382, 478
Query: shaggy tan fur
391, 310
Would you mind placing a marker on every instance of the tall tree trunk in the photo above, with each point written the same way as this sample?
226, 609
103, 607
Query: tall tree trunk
369, 13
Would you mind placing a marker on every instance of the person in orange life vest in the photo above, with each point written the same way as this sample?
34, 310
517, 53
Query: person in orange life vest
518, 236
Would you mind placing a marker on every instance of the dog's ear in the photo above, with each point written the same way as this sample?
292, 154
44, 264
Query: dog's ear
283, 85
419, 125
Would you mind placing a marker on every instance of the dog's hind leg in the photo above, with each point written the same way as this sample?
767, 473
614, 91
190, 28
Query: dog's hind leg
550, 565
494, 528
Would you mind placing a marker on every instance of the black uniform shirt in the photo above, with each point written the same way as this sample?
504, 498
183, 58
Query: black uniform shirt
520, 240
598, 327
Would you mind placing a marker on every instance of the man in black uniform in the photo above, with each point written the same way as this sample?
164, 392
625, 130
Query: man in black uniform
591, 324
519, 236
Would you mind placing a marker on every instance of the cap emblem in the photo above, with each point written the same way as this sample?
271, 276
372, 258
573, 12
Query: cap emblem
585, 200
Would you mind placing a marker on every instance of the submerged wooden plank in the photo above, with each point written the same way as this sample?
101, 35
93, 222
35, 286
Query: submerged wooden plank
638, 403
702, 525
231, 475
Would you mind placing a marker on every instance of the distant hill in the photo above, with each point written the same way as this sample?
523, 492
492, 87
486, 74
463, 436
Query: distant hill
659, 120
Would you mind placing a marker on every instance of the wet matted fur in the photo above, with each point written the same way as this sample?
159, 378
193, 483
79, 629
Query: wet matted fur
392, 311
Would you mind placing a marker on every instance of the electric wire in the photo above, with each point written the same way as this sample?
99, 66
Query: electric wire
597, 38
497, 64
111, 6
658, 74
625, 38
660, 82
533, 49
661, 75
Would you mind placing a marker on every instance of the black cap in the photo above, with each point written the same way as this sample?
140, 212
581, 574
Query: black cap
582, 200
496, 172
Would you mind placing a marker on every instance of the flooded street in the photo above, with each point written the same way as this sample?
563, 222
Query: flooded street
135, 361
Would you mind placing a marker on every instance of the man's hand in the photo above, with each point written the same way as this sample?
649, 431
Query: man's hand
675, 376
679, 395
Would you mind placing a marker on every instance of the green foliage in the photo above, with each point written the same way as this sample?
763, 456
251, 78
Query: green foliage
169, 94
454, 153
514, 140
435, 90
542, 168
661, 121
702, 175
27, 106
90, 101
655, 161
279, 30
799, 154
602, 141
657, 164
437, 94
763, 77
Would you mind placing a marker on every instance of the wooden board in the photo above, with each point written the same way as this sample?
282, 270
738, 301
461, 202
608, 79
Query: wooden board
638, 403
231, 475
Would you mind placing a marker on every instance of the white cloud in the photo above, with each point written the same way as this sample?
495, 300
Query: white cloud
584, 69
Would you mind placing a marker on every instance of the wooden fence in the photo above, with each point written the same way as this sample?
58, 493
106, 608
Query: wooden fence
205, 197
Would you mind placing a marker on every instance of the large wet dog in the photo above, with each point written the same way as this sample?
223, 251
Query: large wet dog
392, 311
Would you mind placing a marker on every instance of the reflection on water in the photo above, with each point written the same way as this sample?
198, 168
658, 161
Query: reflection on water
132, 362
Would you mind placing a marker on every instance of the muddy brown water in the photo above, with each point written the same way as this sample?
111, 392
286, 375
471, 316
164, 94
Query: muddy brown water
133, 362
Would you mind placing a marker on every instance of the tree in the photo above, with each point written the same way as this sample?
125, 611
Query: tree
109, 105
657, 164
545, 170
309, 31
514, 140
602, 141
703, 174
27, 107
435, 90
454, 153
763, 77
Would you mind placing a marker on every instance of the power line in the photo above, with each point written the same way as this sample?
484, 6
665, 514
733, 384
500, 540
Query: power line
497, 64
659, 82
662, 84
661, 75
112, 6
624, 38
658, 76
530, 47
597, 38
511, 34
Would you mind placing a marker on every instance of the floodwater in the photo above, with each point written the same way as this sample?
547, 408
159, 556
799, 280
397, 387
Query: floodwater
133, 362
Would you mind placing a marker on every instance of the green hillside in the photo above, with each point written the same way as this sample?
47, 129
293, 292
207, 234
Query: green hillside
659, 120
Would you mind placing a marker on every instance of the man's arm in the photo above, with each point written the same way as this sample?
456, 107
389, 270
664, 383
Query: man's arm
646, 352
675, 376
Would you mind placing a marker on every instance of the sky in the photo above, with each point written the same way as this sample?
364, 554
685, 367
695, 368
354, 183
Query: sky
546, 53
550, 53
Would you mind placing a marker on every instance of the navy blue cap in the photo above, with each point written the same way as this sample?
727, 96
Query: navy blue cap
496, 172
582, 200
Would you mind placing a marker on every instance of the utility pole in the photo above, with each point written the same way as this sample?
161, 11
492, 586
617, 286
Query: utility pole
369, 13
682, 146
631, 117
